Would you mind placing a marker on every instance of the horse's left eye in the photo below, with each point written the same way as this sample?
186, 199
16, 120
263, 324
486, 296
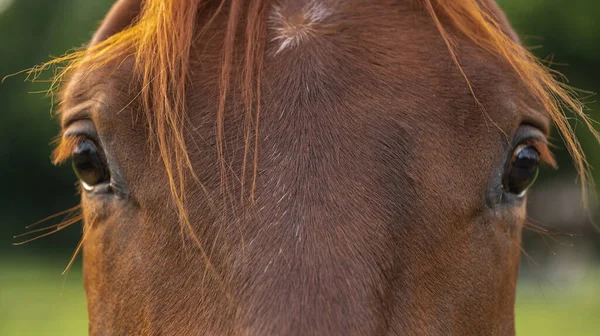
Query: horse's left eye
523, 170
88, 165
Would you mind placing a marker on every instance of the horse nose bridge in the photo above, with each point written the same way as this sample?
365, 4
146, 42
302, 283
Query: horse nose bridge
328, 189
332, 166
322, 236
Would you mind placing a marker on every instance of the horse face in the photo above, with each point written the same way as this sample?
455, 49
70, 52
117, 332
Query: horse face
388, 196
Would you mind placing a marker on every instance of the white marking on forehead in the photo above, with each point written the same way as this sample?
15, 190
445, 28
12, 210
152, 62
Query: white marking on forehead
292, 27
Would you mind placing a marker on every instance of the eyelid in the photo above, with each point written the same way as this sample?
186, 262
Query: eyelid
75, 133
81, 127
77, 112
533, 136
537, 119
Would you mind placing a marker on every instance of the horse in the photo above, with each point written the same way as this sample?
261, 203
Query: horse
306, 167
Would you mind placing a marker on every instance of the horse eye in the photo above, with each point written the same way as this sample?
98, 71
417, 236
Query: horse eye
523, 170
88, 165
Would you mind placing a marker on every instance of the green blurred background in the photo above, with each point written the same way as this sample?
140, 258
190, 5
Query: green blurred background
559, 289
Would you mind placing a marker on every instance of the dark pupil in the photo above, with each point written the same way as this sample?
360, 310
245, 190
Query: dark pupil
88, 165
524, 170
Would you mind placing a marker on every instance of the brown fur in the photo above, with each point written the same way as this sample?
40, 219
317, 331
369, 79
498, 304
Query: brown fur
374, 146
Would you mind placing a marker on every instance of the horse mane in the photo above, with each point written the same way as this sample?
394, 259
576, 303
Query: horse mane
160, 40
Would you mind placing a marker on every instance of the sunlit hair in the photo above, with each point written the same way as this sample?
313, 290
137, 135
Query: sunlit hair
161, 38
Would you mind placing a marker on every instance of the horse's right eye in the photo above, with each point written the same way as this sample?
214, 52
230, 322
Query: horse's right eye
89, 165
523, 170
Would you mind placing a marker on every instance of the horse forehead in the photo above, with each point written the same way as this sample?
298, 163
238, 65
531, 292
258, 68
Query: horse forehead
295, 25
294, 22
